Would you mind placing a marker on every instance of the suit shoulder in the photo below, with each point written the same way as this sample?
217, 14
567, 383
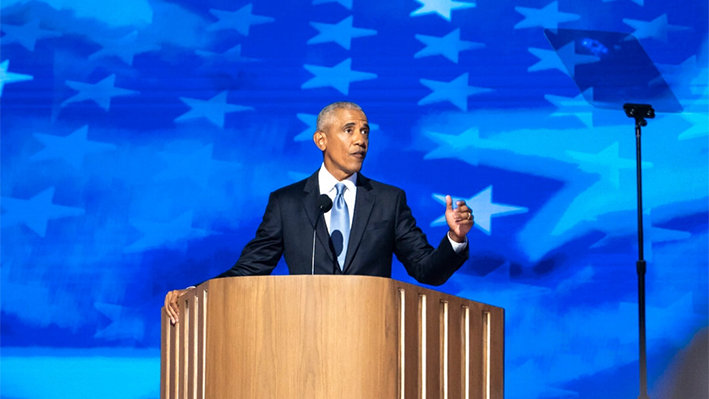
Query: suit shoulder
290, 189
382, 187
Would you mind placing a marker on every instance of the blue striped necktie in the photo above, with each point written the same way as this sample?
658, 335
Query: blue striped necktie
340, 225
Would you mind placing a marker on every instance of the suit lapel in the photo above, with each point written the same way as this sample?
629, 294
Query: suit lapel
310, 204
363, 209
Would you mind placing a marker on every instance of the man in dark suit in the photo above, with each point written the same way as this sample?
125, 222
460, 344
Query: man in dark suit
369, 221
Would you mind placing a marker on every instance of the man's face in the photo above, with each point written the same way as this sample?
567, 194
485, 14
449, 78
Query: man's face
344, 142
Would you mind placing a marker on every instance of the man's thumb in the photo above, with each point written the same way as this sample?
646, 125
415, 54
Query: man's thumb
449, 202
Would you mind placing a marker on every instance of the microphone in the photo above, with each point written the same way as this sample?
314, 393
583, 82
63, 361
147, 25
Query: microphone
324, 205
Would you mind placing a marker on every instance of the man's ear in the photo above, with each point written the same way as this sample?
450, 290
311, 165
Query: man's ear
320, 140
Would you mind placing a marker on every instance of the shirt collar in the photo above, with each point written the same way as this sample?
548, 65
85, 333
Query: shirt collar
327, 181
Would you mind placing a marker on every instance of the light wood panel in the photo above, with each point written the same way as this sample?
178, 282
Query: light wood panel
331, 337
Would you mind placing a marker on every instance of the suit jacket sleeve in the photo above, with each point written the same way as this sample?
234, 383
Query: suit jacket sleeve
261, 255
426, 264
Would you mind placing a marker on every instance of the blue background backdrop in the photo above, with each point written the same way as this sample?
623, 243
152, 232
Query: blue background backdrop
141, 138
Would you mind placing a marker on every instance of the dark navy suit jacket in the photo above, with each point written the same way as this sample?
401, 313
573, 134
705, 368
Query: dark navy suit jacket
382, 226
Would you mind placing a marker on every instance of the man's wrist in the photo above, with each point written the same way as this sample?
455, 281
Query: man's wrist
456, 238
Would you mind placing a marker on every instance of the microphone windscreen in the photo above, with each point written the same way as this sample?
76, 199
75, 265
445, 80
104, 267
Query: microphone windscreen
324, 203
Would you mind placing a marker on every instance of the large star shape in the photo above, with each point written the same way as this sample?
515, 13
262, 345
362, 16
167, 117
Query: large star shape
456, 91
700, 125
345, 3
311, 121
338, 77
564, 60
607, 163
26, 35
341, 33
36, 211
71, 148
100, 93
9, 77
240, 20
657, 28
573, 106
548, 17
547, 60
171, 234
448, 46
124, 48
463, 146
483, 209
212, 109
440, 7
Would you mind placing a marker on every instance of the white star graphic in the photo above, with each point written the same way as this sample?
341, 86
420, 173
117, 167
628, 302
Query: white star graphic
700, 125
124, 48
657, 28
440, 7
9, 77
100, 93
456, 91
71, 148
483, 209
240, 20
341, 33
338, 77
463, 146
165, 234
213, 109
574, 106
548, 17
448, 46
36, 211
307, 134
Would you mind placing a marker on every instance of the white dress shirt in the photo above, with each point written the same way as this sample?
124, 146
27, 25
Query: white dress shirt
327, 182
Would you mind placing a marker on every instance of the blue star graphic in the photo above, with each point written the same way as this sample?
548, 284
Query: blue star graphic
440, 7
341, 33
338, 77
345, 3
651, 234
124, 48
657, 28
456, 91
311, 121
307, 134
700, 125
574, 106
547, 60
448, 46
71, 148
9, 77
212, 109
36, 211
173, 234
462, 146
607, 163
26, 35
101, 92
240, 20
483, 209
125, 323
548, 17
641, 3
231, 56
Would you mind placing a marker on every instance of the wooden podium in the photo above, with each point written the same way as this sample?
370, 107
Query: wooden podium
330, 337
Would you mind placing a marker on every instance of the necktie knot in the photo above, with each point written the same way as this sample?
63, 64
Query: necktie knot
340, 187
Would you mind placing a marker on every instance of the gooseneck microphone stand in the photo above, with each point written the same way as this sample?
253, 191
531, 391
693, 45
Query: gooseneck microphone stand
639, 112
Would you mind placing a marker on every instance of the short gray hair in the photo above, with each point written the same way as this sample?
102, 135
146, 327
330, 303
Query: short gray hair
326, 113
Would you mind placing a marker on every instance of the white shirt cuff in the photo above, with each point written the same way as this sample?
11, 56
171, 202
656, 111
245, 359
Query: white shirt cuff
458, 247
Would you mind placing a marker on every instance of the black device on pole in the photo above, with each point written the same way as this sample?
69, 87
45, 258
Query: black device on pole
324, 205
612, 69
639, 112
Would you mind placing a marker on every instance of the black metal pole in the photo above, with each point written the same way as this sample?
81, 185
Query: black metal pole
640, 264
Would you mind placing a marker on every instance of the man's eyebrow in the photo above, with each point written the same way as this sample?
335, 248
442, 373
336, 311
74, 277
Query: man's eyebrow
352, 124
